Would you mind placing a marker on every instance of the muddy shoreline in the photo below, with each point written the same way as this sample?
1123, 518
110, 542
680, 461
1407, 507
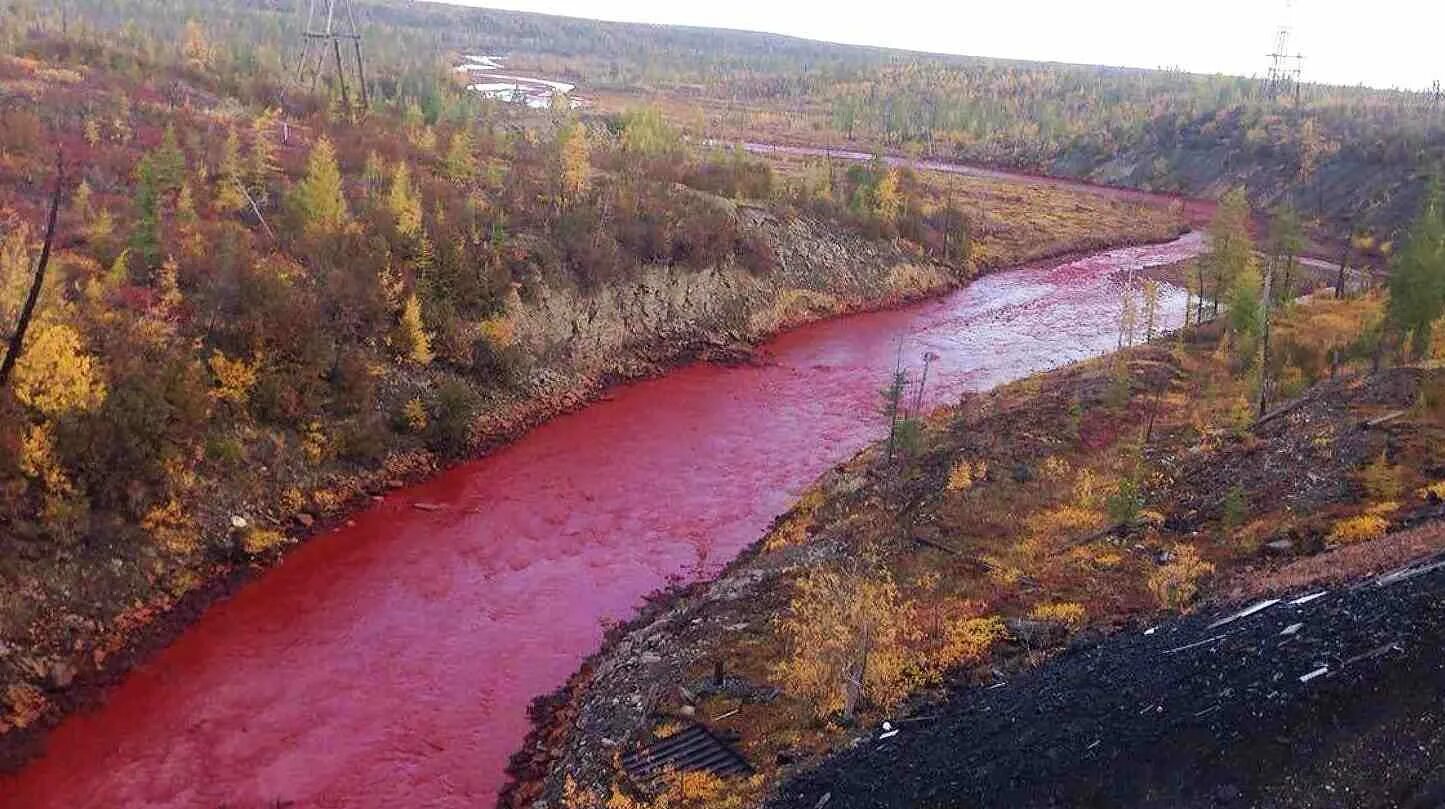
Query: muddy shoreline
89, 687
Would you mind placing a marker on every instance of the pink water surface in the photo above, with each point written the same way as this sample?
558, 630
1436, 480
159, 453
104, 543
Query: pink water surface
389, 664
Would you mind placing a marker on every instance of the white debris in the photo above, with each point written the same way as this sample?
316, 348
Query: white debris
237, 521
1197, 643
1307, 599
1405, 574
1245, 613
888, 731
1319, 672
1151, 630
1292, 628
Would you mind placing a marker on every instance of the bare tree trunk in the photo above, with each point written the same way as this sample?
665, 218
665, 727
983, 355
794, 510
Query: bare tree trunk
17, 340
853, 692
1262, 398
1340, 279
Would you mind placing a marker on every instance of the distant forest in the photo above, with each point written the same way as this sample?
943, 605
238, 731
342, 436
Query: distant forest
1348, 157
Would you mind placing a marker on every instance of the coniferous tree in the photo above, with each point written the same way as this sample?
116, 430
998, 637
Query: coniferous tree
1230, 247
230, 178
319, 199
460, 165
1417, 276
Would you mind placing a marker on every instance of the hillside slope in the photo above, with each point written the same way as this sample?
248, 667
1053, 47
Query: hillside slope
1044, 515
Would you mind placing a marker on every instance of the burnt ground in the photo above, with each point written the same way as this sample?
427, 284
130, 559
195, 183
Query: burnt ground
1189, 714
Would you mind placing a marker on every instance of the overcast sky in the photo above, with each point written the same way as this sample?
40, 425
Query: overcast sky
1385, 43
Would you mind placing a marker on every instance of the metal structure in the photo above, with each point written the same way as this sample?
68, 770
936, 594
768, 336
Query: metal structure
1284, 68
329, 23
694, 748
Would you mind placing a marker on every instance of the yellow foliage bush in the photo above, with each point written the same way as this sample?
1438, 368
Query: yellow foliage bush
1068, 613
499, 331
292, 500
965, 474
1435, 490
37, 459
794, 529
327, 501
969, 641
26, 704
1176, 584
260, 540
1382, 479
413, 415
1363, 528
1089, 490
1098, 556
171, 527
667, 730
1001, 572
837, 622
1063, 521
314, 443
55, 375
234, 378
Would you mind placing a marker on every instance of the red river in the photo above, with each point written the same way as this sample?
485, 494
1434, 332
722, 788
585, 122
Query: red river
389, 663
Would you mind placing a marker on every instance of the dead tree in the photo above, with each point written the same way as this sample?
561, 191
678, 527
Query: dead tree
17, 339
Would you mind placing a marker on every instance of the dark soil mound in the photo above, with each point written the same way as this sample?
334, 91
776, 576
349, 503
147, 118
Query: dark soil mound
1335, 701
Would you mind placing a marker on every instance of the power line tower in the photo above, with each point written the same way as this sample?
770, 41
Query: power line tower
1284, 68
329, 23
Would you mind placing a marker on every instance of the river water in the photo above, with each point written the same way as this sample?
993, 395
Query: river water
389, 663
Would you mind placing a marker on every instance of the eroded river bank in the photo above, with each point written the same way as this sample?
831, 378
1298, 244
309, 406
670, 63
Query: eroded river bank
390, 662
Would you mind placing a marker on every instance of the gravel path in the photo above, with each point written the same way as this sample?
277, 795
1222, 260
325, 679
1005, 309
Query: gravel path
1317, 700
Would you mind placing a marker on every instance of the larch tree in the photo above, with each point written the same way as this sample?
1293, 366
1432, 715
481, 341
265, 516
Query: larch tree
1230, 248
1417, 276
373, 174
460, 165
261, 168
1151, 308
230, 177
1286, 242
575, 155
319, 199
887, 197
1128, 317
410, 338
404, 202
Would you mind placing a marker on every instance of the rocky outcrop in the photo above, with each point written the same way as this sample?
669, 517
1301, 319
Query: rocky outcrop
670, 312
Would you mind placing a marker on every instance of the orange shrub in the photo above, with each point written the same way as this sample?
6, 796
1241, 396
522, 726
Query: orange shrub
1363, 528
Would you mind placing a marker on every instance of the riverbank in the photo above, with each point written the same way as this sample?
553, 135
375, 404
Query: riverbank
78, 646
1043, 515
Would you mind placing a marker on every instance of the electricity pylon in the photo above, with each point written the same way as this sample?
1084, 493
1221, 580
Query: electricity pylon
328, 24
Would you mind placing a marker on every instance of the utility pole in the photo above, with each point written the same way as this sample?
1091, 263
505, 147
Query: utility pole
329, 23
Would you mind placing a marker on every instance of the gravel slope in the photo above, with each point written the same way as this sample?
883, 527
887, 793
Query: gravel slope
1194, 713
